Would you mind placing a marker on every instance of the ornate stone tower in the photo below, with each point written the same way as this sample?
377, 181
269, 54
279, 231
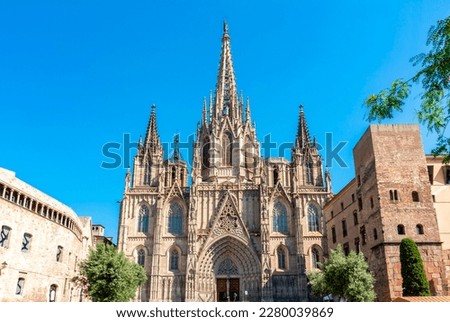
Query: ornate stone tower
247, 228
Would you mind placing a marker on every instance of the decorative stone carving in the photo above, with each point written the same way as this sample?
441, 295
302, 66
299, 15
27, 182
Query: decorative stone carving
228, 268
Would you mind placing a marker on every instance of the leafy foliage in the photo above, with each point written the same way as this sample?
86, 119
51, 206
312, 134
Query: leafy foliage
414, 279
344, 276
111, 276
434, 76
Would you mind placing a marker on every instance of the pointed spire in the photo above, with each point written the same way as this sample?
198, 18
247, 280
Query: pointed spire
211, 106
152, 141
247, 112
226, 100
303, 139
140, 145
205, 115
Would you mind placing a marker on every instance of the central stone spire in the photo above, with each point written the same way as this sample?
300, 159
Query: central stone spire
226, 101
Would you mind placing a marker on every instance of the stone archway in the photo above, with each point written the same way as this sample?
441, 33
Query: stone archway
228, 266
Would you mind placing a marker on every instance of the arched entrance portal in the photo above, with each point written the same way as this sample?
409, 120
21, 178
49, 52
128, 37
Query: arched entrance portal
227, 282
229, 270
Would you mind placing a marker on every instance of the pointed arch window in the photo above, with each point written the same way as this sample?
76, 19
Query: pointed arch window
281, 256
205, 153
227, 149
143, 220
315, 258
313, 218
279, 218
175, 219
174, 260
141, 257
309, 173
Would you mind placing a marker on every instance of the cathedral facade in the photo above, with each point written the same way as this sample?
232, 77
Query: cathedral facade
245, 228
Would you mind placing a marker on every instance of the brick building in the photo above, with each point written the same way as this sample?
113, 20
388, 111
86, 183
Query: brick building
389, 199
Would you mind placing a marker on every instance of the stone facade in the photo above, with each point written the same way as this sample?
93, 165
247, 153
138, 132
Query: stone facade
389, 199
41, 243
439, 176
245, 229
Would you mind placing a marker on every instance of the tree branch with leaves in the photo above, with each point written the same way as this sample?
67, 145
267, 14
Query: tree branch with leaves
434, 78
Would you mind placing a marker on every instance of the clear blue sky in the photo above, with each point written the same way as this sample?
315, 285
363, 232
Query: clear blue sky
75, 75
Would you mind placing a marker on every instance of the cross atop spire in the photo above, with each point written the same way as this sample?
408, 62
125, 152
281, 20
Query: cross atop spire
152, 142
226, 100
303, 139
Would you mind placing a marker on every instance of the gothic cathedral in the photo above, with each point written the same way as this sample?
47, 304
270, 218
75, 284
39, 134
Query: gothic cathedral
245, 228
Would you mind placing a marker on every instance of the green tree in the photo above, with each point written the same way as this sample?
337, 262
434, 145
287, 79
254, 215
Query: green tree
345, 276
111, 277
434, 78
414, 279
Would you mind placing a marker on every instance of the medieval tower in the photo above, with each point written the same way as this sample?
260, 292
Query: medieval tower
245, 228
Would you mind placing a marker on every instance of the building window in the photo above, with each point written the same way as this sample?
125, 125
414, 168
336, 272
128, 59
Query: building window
144, 216
415, 196
4, 236
2, 188
281, 255
344, 228
15, 195
174, 260
141, 257
419, 229
20, 285
430, 169
393, 195
205, 153
175, 219
353, 197
375, 234
371, 203
309, 173
447, 176
433, 197
52, 293
346, 249
359, 180
333, 234
315, 258
362, 232
355, 218
360, 203
401, 229
357, 244
227, 149
280, 218
59, 253
26, 242
332, 214
313, 218
342, 206
7, 193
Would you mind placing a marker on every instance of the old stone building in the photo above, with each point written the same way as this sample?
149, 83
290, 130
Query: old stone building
439, 176
246, 228
41, 243
389, 199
